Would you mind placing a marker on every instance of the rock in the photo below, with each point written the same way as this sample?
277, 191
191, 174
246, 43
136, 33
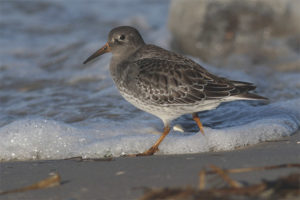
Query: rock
234, 32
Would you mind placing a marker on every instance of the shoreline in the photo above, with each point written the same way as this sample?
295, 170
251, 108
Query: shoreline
125, 178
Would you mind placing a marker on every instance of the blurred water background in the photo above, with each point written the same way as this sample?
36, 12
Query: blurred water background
53, 107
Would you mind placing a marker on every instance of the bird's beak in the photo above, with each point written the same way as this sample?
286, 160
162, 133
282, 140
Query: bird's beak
99, 52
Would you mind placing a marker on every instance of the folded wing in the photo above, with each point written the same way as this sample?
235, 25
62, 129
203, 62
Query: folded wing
168, 82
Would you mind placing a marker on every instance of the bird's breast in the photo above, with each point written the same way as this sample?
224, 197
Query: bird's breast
122, 75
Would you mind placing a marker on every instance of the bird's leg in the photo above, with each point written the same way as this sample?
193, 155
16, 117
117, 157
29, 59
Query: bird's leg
154, 148
197, 120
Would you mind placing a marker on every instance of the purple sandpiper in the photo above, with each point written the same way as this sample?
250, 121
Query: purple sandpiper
165, 83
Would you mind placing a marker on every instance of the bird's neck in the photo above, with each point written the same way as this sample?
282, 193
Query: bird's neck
119, 60
116, 67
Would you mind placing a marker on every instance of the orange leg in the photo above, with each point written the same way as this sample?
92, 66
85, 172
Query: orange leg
154, 148
197, 120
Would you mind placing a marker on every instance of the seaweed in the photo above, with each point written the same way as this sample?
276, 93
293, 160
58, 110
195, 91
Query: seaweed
287, 187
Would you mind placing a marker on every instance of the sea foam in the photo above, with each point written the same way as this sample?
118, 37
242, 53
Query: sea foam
47, 139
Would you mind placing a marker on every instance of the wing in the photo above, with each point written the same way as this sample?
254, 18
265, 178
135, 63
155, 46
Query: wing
167, 82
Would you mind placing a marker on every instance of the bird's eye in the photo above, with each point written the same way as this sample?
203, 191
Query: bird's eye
122, 37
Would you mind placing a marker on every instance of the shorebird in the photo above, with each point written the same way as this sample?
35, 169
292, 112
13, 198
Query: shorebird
165, 83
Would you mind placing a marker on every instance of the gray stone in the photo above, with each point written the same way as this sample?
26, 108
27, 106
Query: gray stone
234, 32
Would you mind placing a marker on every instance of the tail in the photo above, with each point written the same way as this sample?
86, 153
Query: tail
245, 87
250, 96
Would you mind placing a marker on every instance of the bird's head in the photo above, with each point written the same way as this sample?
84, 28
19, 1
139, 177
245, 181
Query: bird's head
122, 41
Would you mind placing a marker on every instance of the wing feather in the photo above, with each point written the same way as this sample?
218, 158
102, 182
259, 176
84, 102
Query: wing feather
169, 82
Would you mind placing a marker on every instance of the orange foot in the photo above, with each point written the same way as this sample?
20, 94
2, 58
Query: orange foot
197, 120
154, 148
149, 152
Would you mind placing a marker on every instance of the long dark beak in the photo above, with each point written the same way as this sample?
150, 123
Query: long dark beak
101, 51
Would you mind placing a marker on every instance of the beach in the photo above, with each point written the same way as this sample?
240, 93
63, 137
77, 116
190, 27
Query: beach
126, 178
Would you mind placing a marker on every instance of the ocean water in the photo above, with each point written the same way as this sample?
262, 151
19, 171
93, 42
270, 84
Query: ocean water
54, 107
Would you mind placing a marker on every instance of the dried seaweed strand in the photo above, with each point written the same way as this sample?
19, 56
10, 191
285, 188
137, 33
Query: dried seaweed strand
51, 181
249, 169
202, 175
226, 178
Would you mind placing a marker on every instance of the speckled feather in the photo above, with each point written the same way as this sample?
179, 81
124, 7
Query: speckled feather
158, 76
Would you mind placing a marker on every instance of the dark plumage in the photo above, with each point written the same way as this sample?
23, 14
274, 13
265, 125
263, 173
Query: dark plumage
164, 83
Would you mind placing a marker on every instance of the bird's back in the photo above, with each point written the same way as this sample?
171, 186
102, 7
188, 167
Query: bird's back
161, 77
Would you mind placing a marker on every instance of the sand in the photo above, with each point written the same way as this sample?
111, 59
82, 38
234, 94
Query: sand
125, 178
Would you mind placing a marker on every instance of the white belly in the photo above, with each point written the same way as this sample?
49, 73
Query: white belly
168, 112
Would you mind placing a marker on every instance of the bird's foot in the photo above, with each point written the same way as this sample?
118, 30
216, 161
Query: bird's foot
201, 130
197, 120
149, 152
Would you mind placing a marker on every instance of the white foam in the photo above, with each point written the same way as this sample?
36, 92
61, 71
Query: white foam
47, 139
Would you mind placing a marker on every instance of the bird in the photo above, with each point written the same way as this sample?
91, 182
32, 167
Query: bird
164, 83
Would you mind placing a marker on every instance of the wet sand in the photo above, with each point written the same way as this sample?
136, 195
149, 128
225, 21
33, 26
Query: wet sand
125, 178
